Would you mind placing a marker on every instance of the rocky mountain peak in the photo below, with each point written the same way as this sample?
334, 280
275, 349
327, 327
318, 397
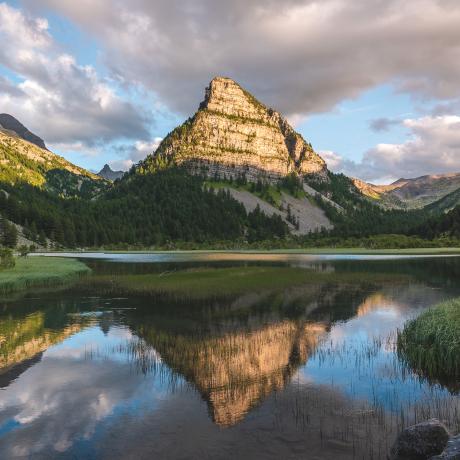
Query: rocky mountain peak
14, 126
228, 97
233, 134
109, 174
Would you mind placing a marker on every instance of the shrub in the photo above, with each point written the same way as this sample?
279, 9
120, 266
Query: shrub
6, 259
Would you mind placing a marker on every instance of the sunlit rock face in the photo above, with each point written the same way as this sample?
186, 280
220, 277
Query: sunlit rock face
234, 372
21, 340
233, 134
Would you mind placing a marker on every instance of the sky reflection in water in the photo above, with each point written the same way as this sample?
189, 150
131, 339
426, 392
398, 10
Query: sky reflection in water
91, 377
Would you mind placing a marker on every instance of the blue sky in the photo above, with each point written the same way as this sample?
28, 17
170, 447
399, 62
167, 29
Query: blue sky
103, 83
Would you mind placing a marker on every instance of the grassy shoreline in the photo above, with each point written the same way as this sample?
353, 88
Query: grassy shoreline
430, 344
37, 272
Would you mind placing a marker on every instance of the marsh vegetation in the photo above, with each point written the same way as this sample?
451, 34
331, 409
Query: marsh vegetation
430, 344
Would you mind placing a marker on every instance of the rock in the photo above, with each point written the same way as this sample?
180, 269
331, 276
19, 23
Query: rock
233, 134
421, 441
452, 450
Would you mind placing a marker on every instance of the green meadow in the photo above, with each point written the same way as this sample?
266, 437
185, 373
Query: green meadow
37, 272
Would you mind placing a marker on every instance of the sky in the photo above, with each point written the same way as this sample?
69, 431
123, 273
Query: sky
372, 84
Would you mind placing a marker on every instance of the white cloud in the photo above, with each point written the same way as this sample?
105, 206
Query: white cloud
333, 160
57, 98
300, 56
432, 148
132, 154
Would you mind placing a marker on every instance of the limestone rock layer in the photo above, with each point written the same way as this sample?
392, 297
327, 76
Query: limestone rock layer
233, 134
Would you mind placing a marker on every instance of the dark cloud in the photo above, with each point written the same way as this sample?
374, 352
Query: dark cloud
8, 87
383, 124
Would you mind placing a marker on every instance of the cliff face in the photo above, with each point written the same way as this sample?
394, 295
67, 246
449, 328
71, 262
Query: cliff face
236, 371
233, 134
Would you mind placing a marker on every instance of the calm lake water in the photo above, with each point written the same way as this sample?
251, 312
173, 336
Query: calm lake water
305, 372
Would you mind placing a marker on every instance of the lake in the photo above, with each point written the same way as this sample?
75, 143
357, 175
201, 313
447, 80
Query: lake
295, 367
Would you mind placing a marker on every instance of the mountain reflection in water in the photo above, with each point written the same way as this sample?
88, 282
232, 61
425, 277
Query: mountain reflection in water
76, 371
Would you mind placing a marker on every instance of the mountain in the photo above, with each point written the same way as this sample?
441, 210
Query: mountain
444, 225
232, 135
445, 204
235, 171
25, 163
414, 193
109, 174
12, 126
241, 146
234, 140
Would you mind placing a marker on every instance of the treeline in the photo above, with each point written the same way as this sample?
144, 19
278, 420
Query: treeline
8, 234
170, 207
147, 210
359, 217
444, 225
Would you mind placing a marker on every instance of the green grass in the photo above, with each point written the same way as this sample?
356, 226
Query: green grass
33, 272
206, 283
430, 344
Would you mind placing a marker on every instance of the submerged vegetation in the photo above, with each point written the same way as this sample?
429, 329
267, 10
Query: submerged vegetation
208, 283
36, 272
201, 283
430, 344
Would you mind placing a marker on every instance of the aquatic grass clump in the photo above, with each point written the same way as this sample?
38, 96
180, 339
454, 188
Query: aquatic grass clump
430, 344
35, 272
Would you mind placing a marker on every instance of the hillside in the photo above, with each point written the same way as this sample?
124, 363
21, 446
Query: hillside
156, 209
12, 126
232, 135
445, 225
414, 193
23, 162
50, 200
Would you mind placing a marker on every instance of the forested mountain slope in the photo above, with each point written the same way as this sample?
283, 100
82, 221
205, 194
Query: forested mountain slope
441, 225
24, 163
146, 210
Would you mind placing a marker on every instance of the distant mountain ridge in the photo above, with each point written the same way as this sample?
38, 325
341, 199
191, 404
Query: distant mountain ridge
414, 193
11, 124
25, 163
232, 134
109, 174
